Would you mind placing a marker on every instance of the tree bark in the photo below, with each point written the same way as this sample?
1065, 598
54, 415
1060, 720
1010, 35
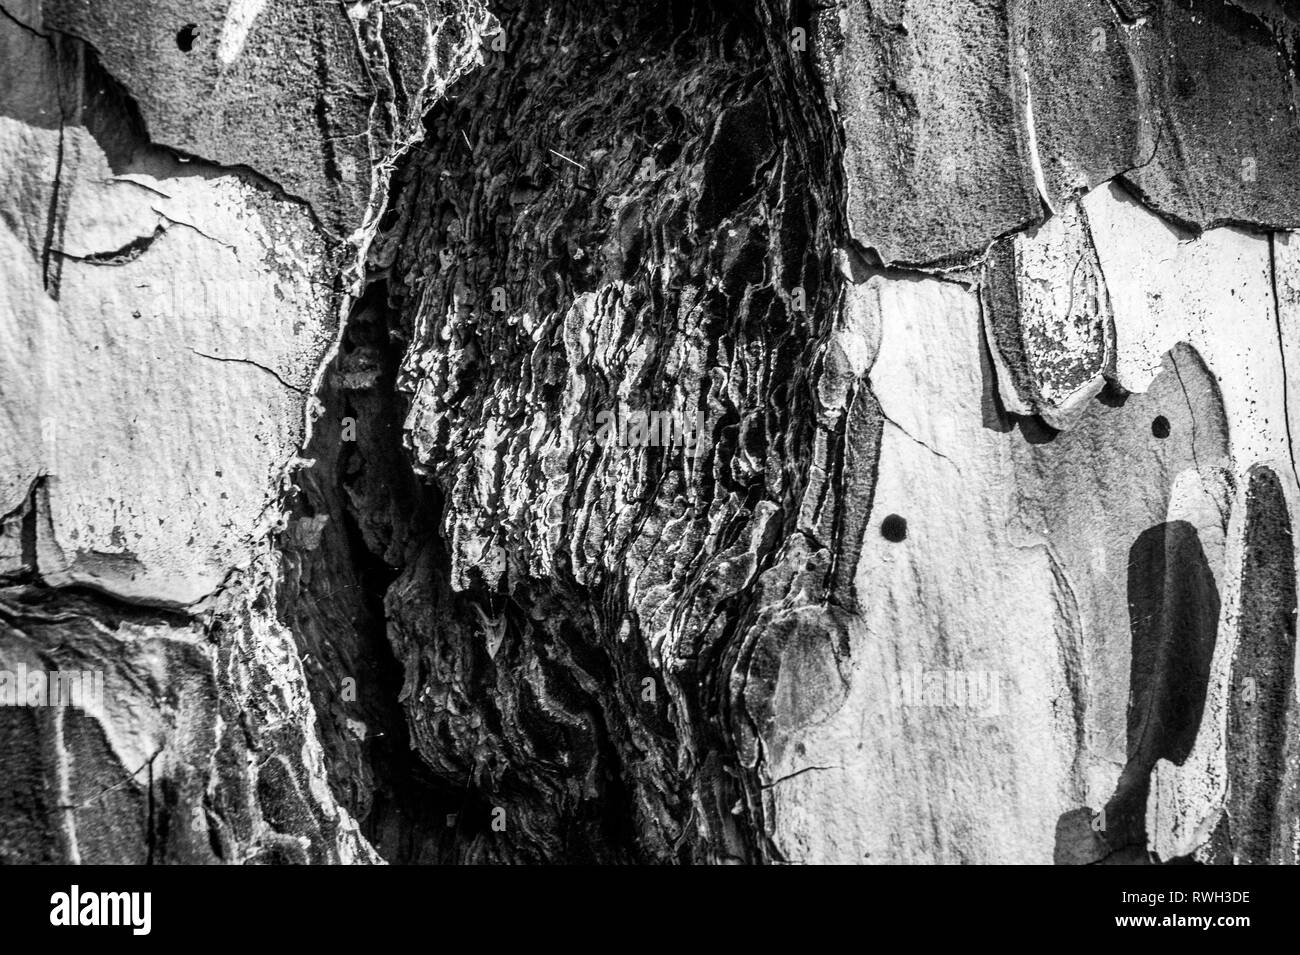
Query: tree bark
639, 433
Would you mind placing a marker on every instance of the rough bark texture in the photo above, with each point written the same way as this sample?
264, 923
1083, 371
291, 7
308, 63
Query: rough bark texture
311, 314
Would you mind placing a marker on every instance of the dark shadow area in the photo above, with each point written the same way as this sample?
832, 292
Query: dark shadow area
993, 412
1034, 429
1173, 618
1112, 394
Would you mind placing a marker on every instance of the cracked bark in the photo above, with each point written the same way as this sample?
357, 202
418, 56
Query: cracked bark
393, 600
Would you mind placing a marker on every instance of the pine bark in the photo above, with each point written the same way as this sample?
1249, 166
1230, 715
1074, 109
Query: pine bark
983, 550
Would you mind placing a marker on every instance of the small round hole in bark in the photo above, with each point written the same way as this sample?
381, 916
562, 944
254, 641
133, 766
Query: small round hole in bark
186, 37
1160, 426
894, 528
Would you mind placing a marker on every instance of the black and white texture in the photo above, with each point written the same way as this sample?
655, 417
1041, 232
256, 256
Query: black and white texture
946, 511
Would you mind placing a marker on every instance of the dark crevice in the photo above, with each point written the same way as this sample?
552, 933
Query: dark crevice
255, 364
564, 750
1281, 340
34, 600
121, 256
54, 218
376, 513
25, 26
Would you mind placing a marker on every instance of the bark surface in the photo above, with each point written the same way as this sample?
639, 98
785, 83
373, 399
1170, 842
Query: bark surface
348, 354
